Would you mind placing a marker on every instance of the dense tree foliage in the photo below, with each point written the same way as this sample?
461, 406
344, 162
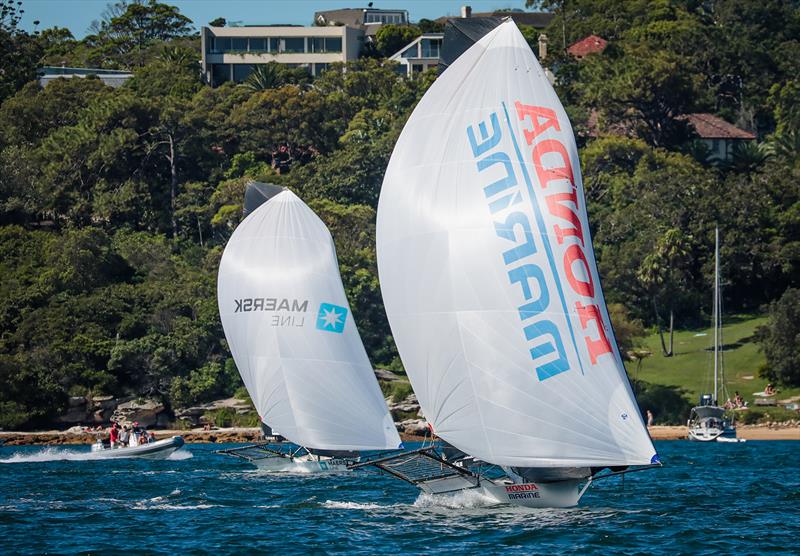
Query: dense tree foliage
780, 340
115, 204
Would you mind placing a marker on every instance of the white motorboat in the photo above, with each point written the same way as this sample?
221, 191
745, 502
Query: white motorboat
294, 340
160, 449
491, 289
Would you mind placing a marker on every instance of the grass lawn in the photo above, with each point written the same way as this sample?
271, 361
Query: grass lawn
691, 368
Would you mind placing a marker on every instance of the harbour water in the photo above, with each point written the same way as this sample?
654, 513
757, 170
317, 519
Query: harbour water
709, 498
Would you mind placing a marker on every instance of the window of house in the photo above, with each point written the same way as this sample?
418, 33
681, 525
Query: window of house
430, 48
241, 72
333, 44
258, 45
274, 44
410, 52
222, 44
293, 44
239, 44
209, 44
220, 73
320, 68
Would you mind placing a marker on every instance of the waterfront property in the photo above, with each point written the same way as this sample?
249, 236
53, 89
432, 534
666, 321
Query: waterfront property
231, 53
420, 54
361, 17
719, 136
113, 78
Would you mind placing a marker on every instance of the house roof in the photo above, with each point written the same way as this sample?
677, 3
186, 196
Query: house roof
539, 20
589, 45
709, 126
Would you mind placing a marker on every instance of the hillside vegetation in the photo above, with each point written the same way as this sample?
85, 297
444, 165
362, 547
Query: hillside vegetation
115, 204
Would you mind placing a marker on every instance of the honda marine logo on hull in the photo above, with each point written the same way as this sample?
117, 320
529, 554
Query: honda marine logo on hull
527, 487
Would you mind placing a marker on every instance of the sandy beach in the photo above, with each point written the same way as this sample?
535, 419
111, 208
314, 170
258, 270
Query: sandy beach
229, 435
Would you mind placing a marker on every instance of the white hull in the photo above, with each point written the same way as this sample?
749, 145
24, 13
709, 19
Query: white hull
161, 449
564, 494
300, 465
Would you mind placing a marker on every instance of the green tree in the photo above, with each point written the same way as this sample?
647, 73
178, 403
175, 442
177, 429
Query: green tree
779, 339
391, 38
663, 274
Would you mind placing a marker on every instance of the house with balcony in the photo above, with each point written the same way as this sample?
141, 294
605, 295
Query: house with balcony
231, 53
112, 78
367, 19
420, 54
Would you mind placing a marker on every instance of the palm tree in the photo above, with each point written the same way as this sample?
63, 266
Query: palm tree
265, 76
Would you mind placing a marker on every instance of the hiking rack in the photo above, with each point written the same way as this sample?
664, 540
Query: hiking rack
424, 468
261, 451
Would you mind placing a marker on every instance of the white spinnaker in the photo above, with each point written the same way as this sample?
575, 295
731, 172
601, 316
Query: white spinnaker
309, 378
448, 242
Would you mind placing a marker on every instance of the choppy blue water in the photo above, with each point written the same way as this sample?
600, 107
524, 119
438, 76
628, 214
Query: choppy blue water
709, 498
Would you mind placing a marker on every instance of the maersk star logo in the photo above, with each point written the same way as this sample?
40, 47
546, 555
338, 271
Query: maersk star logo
331, 318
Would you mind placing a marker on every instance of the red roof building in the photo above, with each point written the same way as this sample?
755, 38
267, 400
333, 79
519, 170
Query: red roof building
709, 126
590, 45
718, 135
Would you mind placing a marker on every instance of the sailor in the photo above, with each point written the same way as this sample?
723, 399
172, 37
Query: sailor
113, 435
124, 436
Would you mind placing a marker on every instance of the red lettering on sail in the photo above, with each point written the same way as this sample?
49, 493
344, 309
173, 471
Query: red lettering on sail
547, 175
574, 254
557, 205
599, 346
534, 113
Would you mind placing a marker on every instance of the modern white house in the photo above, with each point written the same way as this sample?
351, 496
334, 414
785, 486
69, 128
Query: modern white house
112, 78
420, 54
368, 19
231, 53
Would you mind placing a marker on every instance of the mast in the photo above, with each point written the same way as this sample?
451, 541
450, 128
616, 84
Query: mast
716, 312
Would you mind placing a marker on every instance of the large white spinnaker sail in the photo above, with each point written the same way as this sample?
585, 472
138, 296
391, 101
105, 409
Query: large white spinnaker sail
488, 274
292, 334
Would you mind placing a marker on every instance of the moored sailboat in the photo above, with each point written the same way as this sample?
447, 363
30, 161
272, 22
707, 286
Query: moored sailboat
491, 288
294, 340
708, 421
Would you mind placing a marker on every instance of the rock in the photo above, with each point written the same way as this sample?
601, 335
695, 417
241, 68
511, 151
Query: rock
145, 412
75, 430
407, 405
418, 427
385, 375
77, 401
195, 415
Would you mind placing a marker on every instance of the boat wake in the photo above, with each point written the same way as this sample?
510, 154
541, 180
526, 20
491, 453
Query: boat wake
170, 502
179, 455
49, 454
338, 505
464, 499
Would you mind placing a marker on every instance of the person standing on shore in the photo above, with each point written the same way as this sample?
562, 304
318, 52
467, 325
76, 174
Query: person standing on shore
649, 418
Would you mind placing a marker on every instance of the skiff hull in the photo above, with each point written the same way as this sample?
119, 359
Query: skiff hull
564, 494
160, 449
299, 465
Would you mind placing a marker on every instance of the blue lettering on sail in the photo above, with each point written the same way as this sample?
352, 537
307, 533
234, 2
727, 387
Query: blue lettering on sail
504, 201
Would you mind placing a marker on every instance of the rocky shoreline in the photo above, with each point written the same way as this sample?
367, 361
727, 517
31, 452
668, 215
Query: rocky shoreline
238, 435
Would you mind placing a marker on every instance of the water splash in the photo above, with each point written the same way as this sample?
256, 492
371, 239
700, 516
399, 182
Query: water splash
465, 499
338, 505
179, 455
49, 454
